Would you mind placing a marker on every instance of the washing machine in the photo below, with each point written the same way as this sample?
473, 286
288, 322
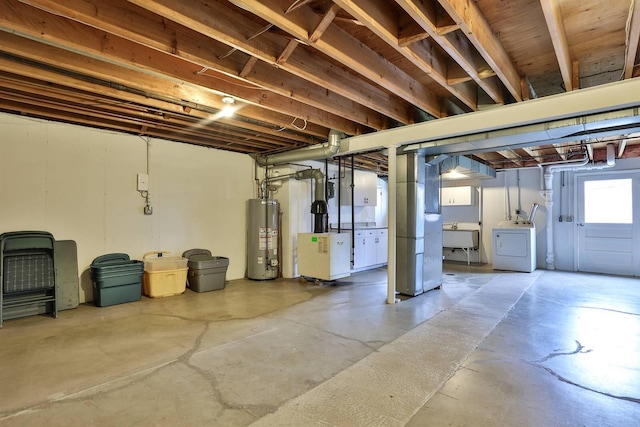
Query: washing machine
514, 246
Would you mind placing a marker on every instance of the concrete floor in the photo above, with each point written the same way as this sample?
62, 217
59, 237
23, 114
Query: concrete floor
490, 348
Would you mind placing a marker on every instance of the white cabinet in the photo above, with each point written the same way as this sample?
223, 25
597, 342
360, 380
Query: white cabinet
458, 196
370, 248
382, 240
360, 249
325, 256
365, 189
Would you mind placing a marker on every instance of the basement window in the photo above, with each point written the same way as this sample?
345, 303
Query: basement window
608, 201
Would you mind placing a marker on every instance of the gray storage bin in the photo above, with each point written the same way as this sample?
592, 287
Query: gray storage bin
206, 272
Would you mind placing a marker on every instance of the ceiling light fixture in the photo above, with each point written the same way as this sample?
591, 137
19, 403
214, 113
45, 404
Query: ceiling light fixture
229, 107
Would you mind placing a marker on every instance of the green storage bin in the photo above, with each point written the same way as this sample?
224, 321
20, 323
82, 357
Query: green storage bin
116, 279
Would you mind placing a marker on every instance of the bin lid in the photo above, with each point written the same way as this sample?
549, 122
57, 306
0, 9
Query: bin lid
192, 252
115, 258
203, 261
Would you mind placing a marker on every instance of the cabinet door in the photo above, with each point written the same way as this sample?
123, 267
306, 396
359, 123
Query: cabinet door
382, 241
458, 196
370, 248
365, 189
359, 250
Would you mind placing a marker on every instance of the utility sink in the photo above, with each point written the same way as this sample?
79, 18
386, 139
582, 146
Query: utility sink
459, 238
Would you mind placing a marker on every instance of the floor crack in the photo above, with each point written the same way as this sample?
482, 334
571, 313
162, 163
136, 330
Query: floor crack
579, 349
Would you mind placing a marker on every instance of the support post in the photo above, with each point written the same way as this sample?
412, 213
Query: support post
391, 248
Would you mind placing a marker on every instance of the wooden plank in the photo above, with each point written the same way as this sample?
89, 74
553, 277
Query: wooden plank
632, 42
379, 18
553, 16
216, 20
72, 36
344, 48
324, 23
457, 46
286, 53
105, 95
576, 75
251, 62
471, 21
151, 85
410, 32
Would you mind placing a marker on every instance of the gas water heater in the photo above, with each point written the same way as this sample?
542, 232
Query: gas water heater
262, 239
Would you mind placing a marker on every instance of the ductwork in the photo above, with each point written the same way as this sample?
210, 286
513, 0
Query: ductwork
315, 152
469, 167
318, 176
319, 207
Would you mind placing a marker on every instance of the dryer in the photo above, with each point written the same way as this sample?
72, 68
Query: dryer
514, 246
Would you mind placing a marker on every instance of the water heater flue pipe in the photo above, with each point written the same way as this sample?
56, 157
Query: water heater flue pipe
315, 152
319, 207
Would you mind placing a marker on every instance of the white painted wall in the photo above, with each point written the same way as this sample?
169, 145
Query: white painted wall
80, 184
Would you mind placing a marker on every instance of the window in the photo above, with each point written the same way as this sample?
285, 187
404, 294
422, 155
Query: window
608, 201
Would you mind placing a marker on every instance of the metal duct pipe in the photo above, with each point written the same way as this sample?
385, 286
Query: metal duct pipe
319, 207
315, 152
318, 176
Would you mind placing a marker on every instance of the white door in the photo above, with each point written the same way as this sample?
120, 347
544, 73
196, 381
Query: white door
607, 223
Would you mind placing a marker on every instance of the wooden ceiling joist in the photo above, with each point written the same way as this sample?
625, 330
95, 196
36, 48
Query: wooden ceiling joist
632, 41
467, 15
457, 46
380, 19
347, 50
340, 113
218, 21
553, 16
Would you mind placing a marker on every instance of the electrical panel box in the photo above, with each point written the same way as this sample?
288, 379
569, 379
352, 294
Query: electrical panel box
143, 182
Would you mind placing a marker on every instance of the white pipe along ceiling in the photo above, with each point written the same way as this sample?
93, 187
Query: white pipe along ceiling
547, 193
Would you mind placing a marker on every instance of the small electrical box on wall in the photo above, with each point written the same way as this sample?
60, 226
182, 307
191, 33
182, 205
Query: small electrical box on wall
143, 182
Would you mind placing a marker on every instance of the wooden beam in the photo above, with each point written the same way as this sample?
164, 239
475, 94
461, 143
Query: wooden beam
153, 86
45, 98
511, 156
218, 21
95, 43
381, 19
101, 95
347, 50
251, 62
555, 23
457, 46
286, 53
324, 23
410, 32
576, 75
632, 41
474, 25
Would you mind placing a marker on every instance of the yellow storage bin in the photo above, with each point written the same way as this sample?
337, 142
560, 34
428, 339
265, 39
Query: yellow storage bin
164, 275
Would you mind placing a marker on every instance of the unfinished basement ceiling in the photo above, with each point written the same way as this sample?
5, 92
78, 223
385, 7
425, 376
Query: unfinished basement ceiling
298, 68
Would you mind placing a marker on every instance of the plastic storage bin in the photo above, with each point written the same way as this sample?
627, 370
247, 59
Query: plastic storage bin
116, 279
206, 272
164, 275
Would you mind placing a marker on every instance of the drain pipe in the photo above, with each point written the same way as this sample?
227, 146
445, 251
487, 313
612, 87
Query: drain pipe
315, 152
547, 192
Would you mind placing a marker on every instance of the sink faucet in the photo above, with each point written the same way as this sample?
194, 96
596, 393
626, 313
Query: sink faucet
454, 226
